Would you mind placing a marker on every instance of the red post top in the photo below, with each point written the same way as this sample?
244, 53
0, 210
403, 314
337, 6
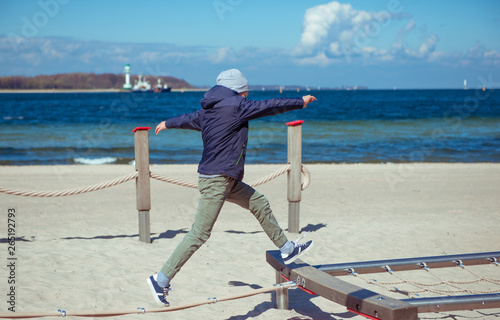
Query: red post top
294, 123
141, 128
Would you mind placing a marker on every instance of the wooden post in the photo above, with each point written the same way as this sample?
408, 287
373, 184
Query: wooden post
294, 193
143, 193
281, 295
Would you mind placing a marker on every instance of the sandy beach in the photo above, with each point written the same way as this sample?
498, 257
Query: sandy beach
83, 252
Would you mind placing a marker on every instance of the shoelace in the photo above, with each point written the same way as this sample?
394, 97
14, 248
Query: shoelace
296, 241
166, 290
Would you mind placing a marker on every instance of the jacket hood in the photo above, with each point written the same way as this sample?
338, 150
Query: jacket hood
215, 95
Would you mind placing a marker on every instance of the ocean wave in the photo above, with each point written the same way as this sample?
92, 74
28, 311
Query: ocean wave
13, 118
96, 161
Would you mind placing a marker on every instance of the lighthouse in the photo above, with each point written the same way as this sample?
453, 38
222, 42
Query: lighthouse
127, 84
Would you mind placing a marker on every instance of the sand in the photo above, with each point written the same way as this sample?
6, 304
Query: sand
82, 252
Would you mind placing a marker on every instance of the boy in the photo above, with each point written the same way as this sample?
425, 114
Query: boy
223, 122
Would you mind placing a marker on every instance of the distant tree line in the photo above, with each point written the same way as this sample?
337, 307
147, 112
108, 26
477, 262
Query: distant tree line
82, 81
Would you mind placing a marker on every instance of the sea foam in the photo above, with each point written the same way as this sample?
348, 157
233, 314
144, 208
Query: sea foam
95, 161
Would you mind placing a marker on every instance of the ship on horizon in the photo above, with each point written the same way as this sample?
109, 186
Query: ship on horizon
142, 84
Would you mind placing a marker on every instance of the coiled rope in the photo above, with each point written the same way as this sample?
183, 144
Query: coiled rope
114, 182
110, 313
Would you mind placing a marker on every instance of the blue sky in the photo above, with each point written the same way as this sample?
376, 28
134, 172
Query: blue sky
379, 44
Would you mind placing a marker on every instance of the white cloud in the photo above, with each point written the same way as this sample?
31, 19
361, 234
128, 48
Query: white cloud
482, 55
52, 55
336, 31
150, 56
437, 55
89, 57
325, 26
222, 54
30, 58
48, 50
492, 54
399, 42
320, 59
425, 49
339, 30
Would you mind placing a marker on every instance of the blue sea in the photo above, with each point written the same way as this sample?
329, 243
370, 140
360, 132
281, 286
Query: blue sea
362, 126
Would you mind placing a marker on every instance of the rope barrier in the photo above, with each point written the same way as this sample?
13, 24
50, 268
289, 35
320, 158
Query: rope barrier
307, 177
69, 192
270, 176
277, 173
110, 313
173, 181
114, 182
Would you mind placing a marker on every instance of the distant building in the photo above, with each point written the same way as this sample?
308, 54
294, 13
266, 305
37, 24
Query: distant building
127, 85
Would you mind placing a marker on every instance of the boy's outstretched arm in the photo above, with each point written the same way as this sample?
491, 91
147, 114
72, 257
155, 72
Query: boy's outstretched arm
189, 121
308, 99
160, 127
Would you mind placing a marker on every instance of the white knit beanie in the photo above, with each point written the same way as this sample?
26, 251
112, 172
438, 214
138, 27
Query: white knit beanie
233, 79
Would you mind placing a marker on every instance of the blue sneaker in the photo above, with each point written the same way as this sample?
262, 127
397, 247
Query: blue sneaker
299, 248
159, 293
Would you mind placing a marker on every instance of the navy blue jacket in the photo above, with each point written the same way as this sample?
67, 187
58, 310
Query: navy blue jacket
223, 122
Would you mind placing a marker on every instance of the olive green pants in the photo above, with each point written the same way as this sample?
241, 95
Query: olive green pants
214, 192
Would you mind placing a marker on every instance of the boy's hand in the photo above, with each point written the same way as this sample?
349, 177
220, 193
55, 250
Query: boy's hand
160, 127
308, 99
